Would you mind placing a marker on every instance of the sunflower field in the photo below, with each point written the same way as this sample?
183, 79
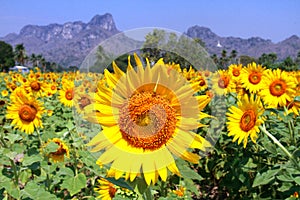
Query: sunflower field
150, 132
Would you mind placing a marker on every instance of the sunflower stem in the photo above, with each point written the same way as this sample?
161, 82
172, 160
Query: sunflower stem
13, 165
39, 136
291, 127
162, 189
147, 194
274, 139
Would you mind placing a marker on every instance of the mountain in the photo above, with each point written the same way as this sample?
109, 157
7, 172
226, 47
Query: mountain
66, 44
69, 43
254, 46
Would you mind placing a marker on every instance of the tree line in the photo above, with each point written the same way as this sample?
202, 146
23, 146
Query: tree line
10, 57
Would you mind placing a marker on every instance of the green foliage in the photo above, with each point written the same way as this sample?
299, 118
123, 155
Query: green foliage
6, 56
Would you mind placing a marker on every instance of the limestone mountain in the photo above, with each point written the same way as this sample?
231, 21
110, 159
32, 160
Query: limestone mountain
66, 44
69, 43
254, 46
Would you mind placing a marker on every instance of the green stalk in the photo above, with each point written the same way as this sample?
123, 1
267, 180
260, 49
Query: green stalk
14, 167
291, 157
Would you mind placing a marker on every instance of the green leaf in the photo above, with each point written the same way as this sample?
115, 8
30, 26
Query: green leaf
35, 191
297, 99
285, 187
11, 189
66, 171
120, 182
24, 176
285, 177
13, 137
51, 147
264, 178
74, 184
28, 160
297, 180
187, 172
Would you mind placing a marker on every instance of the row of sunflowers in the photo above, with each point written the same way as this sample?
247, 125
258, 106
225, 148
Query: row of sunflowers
151, 132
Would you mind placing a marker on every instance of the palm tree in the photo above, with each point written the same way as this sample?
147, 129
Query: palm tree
33, 60
233, 55
20, 54
39, 58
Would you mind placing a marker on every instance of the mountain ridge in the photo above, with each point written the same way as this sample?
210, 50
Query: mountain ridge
69, 43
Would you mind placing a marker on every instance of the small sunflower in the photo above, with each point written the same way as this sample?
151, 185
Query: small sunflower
61, 152
4, 93
35, 87
235, 71
106, 190
278, 88
147, 116
222, 83
252, 76
81, 100
244, 120
66, 94
26, 113
179, 191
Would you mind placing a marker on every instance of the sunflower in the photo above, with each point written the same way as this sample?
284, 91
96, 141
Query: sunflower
278, 88
244, 120
235, 71
4, 93
106, 190
66, 94
179, 191
61, 151
35, 87
147, 116
81, 100
222, 83
252, 76
26, 113
200, 83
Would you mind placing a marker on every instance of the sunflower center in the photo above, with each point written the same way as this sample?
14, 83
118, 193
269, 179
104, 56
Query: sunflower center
277, 88
147, 120
254, 78
60, 150
236, 72
69, 94
223, 81
35, 86
27, 112
84, 101
112, 191
248, 120
53, 87
202, 82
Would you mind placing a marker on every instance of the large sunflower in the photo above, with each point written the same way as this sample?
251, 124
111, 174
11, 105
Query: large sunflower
278, 88
244, 120
147, 116
252, 77
26, 113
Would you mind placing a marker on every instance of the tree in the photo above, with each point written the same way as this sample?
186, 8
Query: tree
6, 56
233, 55
33, 60
245, 60
20, 54
297, 60
268, 60
175, 48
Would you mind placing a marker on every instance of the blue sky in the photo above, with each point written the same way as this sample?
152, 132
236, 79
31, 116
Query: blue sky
269, 19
